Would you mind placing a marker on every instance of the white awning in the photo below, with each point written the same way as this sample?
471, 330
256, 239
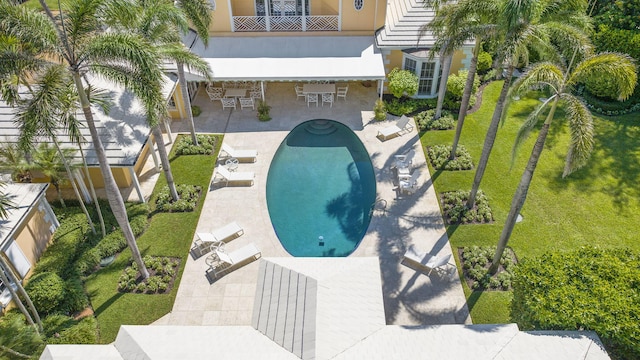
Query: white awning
291, 58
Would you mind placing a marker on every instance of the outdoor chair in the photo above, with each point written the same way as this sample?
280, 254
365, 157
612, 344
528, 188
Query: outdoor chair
228, 261
327, 98
401, 125
408, 183
342, 92
403, 162
439, 264
234, 178
312, 98
214, 93
255, 94
241, 155
246, 103
299, 93
228, 103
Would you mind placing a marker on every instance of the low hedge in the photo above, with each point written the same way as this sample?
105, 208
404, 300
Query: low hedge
612, 107
188, 194
47, 291
588, 289
407, 106
439, 157
206, 144
84, 331
425, 120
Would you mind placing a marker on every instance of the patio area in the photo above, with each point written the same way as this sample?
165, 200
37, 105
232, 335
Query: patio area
410, 297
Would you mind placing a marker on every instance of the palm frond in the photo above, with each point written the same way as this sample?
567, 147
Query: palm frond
199, 14
179, 53
529, 124
29, 27
540, 75
619, 68
581, 130
567, 40
6, 203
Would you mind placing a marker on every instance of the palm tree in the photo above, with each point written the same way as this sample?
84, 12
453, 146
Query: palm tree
50, 163
619, 69
457, 23
552, 28
161, 23
12, 159
198, 12
77, 38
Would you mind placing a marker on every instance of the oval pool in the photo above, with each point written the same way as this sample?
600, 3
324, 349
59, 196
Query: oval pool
320, 190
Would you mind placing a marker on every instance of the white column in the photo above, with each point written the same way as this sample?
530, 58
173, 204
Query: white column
136, 183
154, 156
167, 128
381, 82
262, 89
339, 15
233, 27
267, 14
304, 17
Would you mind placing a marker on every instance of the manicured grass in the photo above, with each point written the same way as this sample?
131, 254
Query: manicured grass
169, 234
597, 205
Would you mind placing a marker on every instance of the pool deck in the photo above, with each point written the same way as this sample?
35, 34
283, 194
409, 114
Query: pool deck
410, 297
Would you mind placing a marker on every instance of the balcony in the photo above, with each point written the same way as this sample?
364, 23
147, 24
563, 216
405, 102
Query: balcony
286, 23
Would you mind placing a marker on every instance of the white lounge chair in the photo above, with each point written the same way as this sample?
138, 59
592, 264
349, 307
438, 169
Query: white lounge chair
234, 177
403, 161
400, 126
232, 260
241, 155
408, 183
204, 240
439, 264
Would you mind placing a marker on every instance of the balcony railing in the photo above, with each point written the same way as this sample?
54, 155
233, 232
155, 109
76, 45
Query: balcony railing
286, 23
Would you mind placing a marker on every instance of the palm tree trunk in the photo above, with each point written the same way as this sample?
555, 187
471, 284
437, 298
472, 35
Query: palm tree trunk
113, 193
59, 193
164, 158
186, 101
442, 91
523, 188
490, 138
14, 295
93, 190
73, 184
466, 96
22, 292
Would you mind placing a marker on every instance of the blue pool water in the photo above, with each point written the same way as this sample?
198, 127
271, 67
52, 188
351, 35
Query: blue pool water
321, 183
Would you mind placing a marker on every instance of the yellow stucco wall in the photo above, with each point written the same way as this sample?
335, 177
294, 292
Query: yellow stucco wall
33, 236
353, 20
177, 113
456, 62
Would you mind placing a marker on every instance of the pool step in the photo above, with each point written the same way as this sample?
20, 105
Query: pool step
321, 127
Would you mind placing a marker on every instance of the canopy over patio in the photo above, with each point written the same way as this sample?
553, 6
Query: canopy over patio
291, 58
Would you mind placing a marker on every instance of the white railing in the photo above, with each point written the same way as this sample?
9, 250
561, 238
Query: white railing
286, 23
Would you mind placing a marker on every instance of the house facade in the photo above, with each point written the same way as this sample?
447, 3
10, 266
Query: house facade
330, 40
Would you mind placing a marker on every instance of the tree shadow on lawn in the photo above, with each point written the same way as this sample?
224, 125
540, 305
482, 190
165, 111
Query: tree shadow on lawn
615, 156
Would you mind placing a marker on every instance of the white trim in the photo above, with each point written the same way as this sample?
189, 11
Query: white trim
339, 14
78, 176
436, 70
231, 15
18, 259
154, 156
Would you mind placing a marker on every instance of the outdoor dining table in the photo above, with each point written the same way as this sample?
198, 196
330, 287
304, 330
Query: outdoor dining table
318, 88
237, 93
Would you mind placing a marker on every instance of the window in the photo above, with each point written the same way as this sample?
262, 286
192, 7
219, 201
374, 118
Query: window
282, 7
358, 4
426, 71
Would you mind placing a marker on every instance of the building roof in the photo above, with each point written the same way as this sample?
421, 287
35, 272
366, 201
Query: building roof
332, 308
291, 58
403, 21
123, 131
24, 197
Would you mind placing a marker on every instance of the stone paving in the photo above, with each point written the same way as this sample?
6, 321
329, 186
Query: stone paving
410, 297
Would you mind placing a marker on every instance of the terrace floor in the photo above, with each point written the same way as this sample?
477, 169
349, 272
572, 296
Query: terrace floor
410, 297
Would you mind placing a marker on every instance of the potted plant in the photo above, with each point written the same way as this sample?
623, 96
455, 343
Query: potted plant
379, 111
263, 111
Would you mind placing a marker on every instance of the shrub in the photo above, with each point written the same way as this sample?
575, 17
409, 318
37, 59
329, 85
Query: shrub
439, 157
484, 62
425, 120
184, 145
195, 110
189, 195
406, 106
476, 262
85, 331
402, 82
379, 111
263, 111
612, 108
587, 289
162, 272
455, 211
456, 82
47, 291
75, 299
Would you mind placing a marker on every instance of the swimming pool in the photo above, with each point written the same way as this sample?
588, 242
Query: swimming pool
320, 190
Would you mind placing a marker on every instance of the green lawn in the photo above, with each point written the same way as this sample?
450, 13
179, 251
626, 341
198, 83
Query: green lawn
168, 234
597, 205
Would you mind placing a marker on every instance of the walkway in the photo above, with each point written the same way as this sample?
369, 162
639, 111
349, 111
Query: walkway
410, 297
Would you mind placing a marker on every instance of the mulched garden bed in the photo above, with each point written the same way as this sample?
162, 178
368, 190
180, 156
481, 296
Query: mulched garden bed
475, 262
162, 276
